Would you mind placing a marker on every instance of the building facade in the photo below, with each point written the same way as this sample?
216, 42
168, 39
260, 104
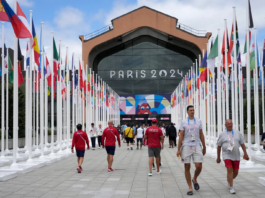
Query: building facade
143, 55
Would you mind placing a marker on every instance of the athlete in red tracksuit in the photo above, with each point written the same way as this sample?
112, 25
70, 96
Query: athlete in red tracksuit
79, 141
108, 141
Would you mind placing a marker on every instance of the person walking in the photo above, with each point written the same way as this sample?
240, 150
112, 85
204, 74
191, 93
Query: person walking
155, 139
100, 131
140, 135
129, 135
189, 147
93, 134
229, 142
109, 142
172, 135
79, 141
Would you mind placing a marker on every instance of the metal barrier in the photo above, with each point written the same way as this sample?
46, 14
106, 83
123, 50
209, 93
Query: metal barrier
98, 32
191, 30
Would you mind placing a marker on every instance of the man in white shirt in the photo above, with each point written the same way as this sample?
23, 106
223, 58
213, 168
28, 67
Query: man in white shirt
229, 141
189, 147
140, 135
93, 134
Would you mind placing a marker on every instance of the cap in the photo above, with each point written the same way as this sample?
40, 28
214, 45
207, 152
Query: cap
154, 120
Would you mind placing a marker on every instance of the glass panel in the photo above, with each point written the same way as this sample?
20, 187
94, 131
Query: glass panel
144, 65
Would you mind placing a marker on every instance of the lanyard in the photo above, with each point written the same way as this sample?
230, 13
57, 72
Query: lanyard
194, 124
229, 136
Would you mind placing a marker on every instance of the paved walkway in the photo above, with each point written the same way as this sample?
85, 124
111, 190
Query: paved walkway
129, 178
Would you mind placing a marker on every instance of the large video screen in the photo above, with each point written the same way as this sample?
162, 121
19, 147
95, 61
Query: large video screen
145, 104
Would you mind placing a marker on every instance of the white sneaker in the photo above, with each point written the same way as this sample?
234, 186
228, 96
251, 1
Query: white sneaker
160, 171
150, 174
232, 190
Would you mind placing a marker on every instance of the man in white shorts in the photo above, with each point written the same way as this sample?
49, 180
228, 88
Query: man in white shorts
189, 147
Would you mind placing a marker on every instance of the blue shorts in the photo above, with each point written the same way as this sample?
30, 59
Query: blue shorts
110, 150
80, 153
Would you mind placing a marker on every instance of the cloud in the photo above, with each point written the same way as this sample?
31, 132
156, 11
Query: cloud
26, 3
69, 17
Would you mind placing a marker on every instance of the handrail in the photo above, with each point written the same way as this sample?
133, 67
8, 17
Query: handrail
98, 32
110, 27
191, 30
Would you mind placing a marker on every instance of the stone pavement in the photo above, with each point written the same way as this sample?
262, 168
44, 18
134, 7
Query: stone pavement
129, 178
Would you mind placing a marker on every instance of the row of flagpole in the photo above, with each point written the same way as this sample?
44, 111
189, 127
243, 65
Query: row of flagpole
91, 98
201, 89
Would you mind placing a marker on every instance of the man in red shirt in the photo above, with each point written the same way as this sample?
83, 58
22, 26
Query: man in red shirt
108, 141
79, 141
155, 139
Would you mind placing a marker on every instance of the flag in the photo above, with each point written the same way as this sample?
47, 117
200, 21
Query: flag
19, 57
21, 31
49, 73
81, 77
252, 56
211, 58
5, 68
250, 19
245, 46
63, 90
10, 70
226, 51
35, 46
3, 15
203, 68
55, 59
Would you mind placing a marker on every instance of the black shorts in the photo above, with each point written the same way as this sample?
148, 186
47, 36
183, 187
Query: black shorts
80, 153
129, 140
110, 150
139, 139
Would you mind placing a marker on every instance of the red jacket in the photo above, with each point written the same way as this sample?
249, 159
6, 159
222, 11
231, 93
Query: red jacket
80, 142
108, 137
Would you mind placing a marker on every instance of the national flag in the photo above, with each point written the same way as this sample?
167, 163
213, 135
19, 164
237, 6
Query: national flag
49, 73
252, 57
24, 20
63, 90
226, 51
55, 59
250, 19
203, 68
19, 57
3, 15
21, 31
10, 70
211, 58
5, 68
35, 46
27, 57
245, 46
81, 83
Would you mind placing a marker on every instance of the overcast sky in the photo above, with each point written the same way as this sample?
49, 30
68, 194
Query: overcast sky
68, 19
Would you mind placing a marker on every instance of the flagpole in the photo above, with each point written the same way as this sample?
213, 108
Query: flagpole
46, 108
248, 91
235, 69
15, 100
52, 103
7, 87
73, 96
256, 97
3, 95
219, 88
68, 105
226, 72
41, 99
